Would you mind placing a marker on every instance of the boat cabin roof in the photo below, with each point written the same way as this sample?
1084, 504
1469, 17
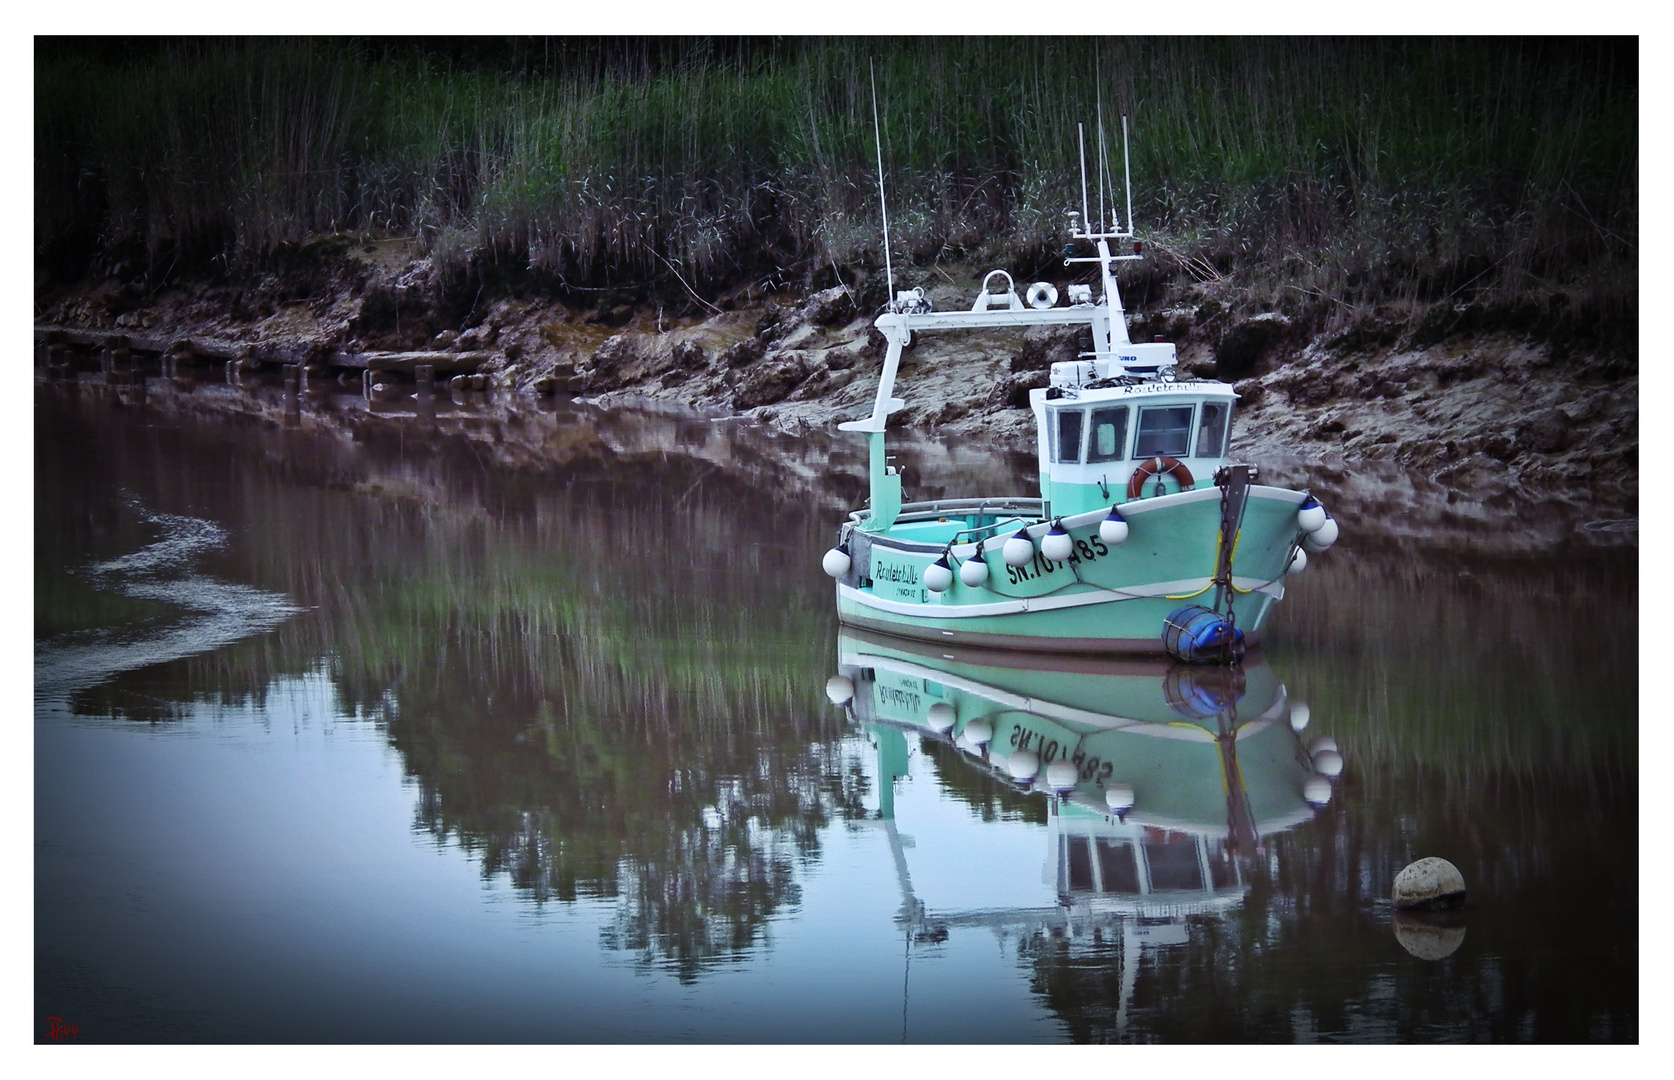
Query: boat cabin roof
1131, 389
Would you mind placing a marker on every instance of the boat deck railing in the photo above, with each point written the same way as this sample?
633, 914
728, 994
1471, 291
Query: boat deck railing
1008, 510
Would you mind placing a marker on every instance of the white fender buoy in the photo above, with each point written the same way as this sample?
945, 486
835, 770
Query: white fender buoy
1057, 545
1019, 549
1310, 515
938, 575
839, 688
1300, 714
940, 717
1114, 528
1317, 791
1119, 798
836, 562
974, 571
1322, 537
1328, 763
1298, 562
1324, 742
1023, 765
978, 731
1061, 775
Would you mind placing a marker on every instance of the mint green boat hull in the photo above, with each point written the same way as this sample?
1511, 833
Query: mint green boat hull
1107, 598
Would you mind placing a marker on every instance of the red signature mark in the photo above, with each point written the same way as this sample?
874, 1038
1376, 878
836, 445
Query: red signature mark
58, 1031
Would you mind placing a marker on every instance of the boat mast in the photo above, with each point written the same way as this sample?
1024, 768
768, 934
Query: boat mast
883, 204
899, 322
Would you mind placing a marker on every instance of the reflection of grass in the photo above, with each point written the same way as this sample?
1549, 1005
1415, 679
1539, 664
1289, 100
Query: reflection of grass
578, 686
1513, 671
66, 604
988, 796
1490, 718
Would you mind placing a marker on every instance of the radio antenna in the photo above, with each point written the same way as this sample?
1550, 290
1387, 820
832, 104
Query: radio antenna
883, 204
1103, 182
1081, 141
1127, 178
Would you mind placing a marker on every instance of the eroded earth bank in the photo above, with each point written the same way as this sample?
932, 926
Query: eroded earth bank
1501, 429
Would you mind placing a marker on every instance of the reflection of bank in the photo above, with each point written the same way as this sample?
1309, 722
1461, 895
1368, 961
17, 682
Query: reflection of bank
1160, 781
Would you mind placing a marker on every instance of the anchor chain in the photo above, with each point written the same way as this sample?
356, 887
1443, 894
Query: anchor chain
1233, 481
1223, 576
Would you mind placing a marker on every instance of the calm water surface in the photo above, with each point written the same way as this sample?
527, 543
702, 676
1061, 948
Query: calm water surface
421, 725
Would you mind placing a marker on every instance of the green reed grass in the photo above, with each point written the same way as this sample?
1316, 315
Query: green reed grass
1331, 171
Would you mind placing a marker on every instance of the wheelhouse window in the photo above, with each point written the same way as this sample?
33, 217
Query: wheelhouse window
1109, 435
1164, 431
1212, 429
1065, 434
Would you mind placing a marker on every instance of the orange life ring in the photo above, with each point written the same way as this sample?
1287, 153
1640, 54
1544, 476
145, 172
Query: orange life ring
1155, 466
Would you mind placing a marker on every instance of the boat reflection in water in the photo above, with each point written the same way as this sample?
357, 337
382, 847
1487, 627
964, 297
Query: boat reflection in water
1160, 781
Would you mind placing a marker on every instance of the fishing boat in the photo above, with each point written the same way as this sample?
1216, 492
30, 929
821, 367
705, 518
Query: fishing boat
1147, 536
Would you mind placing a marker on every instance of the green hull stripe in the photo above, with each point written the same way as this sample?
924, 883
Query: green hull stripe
1160, 590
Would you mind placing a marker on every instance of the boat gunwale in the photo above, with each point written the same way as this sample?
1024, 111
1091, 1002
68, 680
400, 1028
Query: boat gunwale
1085, 596
916, 512
1018, 643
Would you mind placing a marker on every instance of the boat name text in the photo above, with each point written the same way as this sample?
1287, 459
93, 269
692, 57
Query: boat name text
884, 571
902, 699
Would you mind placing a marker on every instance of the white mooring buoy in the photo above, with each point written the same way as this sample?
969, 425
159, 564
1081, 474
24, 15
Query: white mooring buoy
1429, 883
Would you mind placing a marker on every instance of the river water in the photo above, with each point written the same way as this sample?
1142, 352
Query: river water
421, 722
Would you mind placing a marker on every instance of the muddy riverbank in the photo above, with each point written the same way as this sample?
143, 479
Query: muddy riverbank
1451, 423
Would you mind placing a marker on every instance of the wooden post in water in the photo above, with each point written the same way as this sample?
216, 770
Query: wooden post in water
58, 360
44, 351
425, 394
117, 353
293, 395
181, 349
241, 363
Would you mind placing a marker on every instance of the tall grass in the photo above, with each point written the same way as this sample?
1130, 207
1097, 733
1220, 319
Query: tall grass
1335, 171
